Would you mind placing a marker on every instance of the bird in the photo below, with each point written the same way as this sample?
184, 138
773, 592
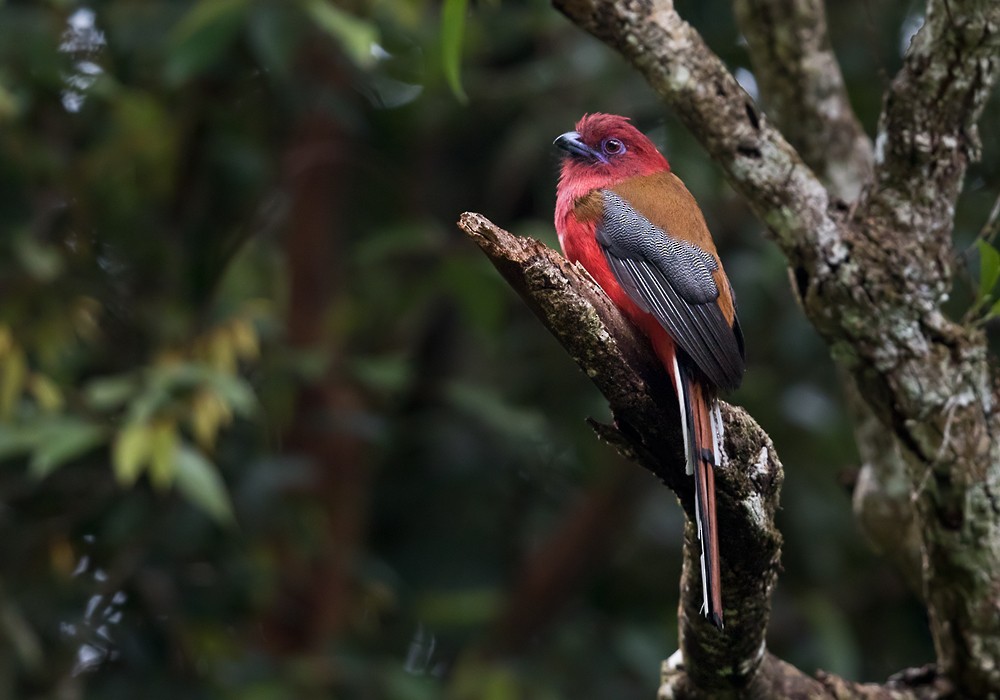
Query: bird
633, 225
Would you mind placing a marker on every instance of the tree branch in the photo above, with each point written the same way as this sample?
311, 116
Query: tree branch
647, 430
872, 282
777, 679
805, 94
883, 496
804, 90
928, 130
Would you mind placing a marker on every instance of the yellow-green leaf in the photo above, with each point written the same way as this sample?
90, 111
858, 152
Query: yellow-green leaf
6, 339
163, 454
208, 414
24, 643
475, 679
131, 451
11, 106
13, 373
245, 340
452, 33
46, 392
41, 261
199, 481
85, 318
222, 352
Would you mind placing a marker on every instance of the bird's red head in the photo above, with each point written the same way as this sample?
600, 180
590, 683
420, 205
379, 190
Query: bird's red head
604, 150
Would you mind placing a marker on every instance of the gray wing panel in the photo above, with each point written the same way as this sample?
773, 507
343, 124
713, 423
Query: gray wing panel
672, 279
626, 233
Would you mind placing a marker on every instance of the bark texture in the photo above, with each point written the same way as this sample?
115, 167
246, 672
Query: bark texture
868, 242
803, 89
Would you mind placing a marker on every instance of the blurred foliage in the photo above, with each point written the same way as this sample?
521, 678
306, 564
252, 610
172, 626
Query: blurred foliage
271, 428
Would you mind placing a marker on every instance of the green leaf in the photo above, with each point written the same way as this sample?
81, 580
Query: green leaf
203, 36
144, 406
66, 440
182, 375
452, 32
199, 481
989, 268
16, 440
354, 35
994, 310
109, 393
39, 260
385, 374
236, 393
206, 14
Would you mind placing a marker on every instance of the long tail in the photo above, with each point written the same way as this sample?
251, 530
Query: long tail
702, 428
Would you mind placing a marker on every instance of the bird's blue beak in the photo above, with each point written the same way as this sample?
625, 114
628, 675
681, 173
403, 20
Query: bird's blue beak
573, 144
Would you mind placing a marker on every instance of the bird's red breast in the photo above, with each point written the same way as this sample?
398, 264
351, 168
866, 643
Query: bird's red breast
637, 229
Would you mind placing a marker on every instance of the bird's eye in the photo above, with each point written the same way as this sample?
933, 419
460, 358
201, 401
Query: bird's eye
613, 146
